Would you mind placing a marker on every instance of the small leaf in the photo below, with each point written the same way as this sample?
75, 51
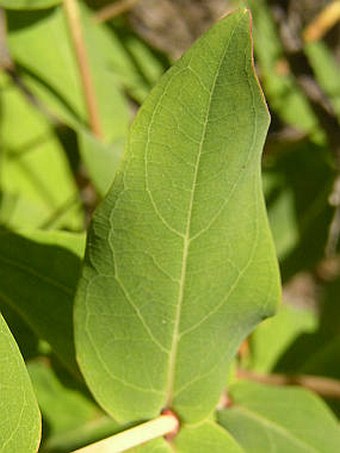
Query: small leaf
265, 418
20, 425
180, 264
205, 437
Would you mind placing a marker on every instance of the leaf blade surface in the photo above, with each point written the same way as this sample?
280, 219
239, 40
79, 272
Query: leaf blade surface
20, 429
265, 418
164, 297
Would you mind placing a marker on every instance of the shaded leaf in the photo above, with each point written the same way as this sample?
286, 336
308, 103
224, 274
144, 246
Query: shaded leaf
39, 275
283, 93
274, 336
25, 338
318, 352
100, 159
326, 69
71, 419
20, 418
180, 265
264, 418
301, 182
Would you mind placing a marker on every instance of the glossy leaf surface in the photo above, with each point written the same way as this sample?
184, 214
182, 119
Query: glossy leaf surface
180, 264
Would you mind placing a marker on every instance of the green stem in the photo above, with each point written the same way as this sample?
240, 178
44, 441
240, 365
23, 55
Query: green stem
115, 9
163, 425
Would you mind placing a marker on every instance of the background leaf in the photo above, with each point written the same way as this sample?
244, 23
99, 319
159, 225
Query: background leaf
70, 417
205, 437
171, 281
28, 4
20, 421
54, 77
39, 286
264, 418
279, 332
32, 165
100, 159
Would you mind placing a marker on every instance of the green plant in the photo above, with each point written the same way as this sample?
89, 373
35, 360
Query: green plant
179, 267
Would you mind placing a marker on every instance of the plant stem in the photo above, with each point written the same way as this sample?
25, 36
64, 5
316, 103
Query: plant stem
328, 17
160, 426
326, 387
73, 18
115, 9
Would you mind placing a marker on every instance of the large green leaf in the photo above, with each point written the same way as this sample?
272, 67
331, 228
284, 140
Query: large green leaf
38, 277
180, 264
28, 4
20, 418
284, 420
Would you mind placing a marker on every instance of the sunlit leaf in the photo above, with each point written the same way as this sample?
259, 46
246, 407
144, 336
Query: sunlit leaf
180, 265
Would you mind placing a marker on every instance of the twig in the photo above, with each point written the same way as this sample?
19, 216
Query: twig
163, 425
73, 18
5, 58
326, 387
323, 22
114, 9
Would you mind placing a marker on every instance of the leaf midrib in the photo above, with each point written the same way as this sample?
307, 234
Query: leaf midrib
187, 239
